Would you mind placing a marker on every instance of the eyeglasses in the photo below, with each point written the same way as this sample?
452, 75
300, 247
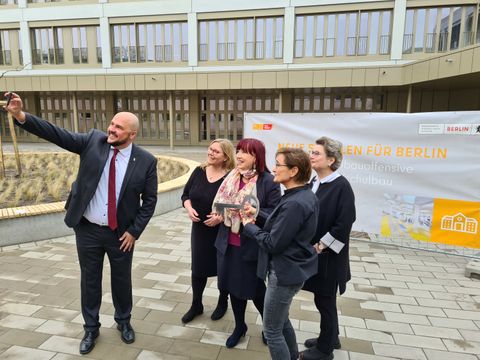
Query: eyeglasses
280, 165
214, 151
314, 153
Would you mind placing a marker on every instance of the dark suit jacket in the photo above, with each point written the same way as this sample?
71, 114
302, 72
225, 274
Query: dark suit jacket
138, 195
268, 194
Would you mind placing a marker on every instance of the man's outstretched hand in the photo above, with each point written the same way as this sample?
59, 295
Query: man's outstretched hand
15, 106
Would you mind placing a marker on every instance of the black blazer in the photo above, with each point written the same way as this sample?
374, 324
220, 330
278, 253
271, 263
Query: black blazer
268, 194
138, 195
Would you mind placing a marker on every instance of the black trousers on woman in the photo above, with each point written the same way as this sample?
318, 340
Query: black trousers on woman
327, 306
198, 286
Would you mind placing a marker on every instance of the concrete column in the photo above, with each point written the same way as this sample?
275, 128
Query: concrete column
289, 35
26, 45
194, 113
105, 41
409, 99
399, 14
192, 40
171, 123
285, 101
75, 112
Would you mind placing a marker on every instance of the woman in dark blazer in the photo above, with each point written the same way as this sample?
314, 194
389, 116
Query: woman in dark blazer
237, 253
337, 215
286, 254
197, 198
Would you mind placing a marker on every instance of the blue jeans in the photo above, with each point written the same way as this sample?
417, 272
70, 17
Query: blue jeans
282, 342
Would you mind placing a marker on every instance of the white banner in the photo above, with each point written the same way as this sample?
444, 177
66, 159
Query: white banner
415, 176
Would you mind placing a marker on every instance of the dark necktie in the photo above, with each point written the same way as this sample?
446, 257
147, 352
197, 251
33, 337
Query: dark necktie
112, 199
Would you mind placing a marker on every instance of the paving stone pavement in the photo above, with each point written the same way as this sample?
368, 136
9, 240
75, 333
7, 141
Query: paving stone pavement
400, 304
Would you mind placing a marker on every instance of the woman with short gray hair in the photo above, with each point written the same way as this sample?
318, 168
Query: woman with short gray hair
336, 216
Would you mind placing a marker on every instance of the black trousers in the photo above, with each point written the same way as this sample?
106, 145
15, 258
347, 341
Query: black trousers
93, 242
327, 306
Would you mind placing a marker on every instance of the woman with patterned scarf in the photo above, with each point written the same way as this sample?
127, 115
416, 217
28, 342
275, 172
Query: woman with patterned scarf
237, 254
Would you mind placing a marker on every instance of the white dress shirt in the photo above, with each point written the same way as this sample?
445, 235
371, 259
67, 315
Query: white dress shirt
97, 209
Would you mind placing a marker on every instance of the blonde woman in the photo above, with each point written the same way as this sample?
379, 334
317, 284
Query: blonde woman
197, 198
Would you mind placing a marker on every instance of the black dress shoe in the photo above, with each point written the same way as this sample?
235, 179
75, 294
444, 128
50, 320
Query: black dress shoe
88, 342
314, 354
219, 311
193, 312
238, 333
313, 342
126, 330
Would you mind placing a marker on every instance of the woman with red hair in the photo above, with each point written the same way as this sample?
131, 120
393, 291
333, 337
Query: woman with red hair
237, 253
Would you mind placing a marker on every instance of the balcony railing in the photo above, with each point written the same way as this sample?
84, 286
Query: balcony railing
5, 57
430, 42
50, 56
184, 52
467, 38
249, 50
221, 51
231, 51
384, 45
330, 46
407, 43
99, 54
278, 52
299, 48
80, 55
443, 41
319, 43
142, 53
351, 45
167, 50
20, 56
202, 52
259, 50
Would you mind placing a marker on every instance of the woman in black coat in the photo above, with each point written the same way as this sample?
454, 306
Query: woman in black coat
237, 253
336, 217
197, 199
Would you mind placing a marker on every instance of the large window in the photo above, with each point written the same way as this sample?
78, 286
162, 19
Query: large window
8, 2
439, 29
5, 50
222, 115
343, 34
79, 45
241, 39
47, 46
152, 42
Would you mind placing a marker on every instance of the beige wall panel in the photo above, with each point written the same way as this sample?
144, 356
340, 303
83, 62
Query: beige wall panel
100, 83
58, 83
427, 100
358, 77
440, 100
202, 81
140, 82
72, 83
390, 76
155, 82
264, 80
407, 75
340, 77
219, 81
186, 81
466, 61
247, 80
129, 82
170, 82
36, 86
21, 84
86, 83
235, 80
433, 69
319, 78
10, 84
371, 77
300, 79
282, 79
448, 68
44, 83
115, 82
476, 59
420, 71
3, 83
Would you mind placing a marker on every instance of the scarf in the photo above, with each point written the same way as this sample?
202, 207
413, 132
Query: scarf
229, 192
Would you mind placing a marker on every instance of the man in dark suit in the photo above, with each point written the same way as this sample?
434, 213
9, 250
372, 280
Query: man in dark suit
109, 206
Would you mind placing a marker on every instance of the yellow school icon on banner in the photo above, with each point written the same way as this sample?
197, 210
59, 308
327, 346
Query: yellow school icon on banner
456, 222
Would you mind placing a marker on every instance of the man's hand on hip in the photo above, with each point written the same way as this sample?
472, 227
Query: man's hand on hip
128, 241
